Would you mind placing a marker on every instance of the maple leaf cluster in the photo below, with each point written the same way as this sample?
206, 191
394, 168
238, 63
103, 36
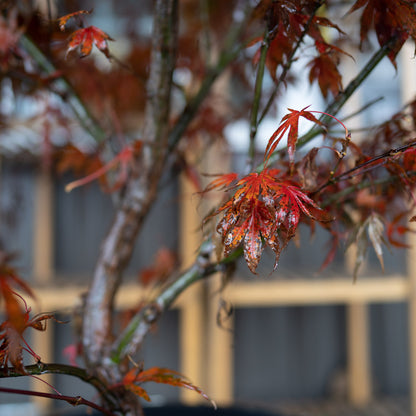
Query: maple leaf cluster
266, 206
288, 22
18, 320
392, 20
85, 38
264, 210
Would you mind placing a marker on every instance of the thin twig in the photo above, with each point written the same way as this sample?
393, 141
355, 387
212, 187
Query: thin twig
340, 99
53, 368
256, 99
73, 400
350, 173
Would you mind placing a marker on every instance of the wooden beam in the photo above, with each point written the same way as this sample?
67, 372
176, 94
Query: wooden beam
192, 316
43, 229
358, 360
318, 292
219, 352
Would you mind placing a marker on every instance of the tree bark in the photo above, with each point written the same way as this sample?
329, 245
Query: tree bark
139, 194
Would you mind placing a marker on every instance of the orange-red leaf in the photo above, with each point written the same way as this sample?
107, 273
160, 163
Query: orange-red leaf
264, 211
222, 182
290, 125
64, 19
123, 159
85, 38
136, 376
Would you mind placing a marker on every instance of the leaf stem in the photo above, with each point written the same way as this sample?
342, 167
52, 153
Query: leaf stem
228, 54
348, 174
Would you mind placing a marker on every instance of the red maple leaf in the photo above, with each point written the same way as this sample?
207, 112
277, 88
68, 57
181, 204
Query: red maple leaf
289, 124
391, 19
264, 211
62, 21
12, 342
324, 70
85, 38
122, 159
137, 376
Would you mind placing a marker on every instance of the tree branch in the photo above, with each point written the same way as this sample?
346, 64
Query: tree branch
132, 336
73, 400
51, 368
256, 100
140, 192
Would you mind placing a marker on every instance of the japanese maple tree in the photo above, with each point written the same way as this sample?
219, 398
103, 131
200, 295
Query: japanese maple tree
143, 119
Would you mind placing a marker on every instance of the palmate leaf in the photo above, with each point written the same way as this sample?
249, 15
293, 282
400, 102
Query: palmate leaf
18, 320
324, 70
136, 376
86, 38
290, 125
264, 211
12, 342
391, 19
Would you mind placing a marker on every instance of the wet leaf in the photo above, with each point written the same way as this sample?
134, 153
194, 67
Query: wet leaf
84, 39
264, 210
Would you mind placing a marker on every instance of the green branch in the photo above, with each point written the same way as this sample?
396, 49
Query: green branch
229, 53
256, 100
340, 99
132, 336
52, 368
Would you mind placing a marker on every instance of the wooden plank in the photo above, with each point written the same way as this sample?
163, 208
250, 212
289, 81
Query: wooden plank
43, 229
219, 352
358, 362
411, 269
310, 292
53, 298
43, 344
191, 317
408, 89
